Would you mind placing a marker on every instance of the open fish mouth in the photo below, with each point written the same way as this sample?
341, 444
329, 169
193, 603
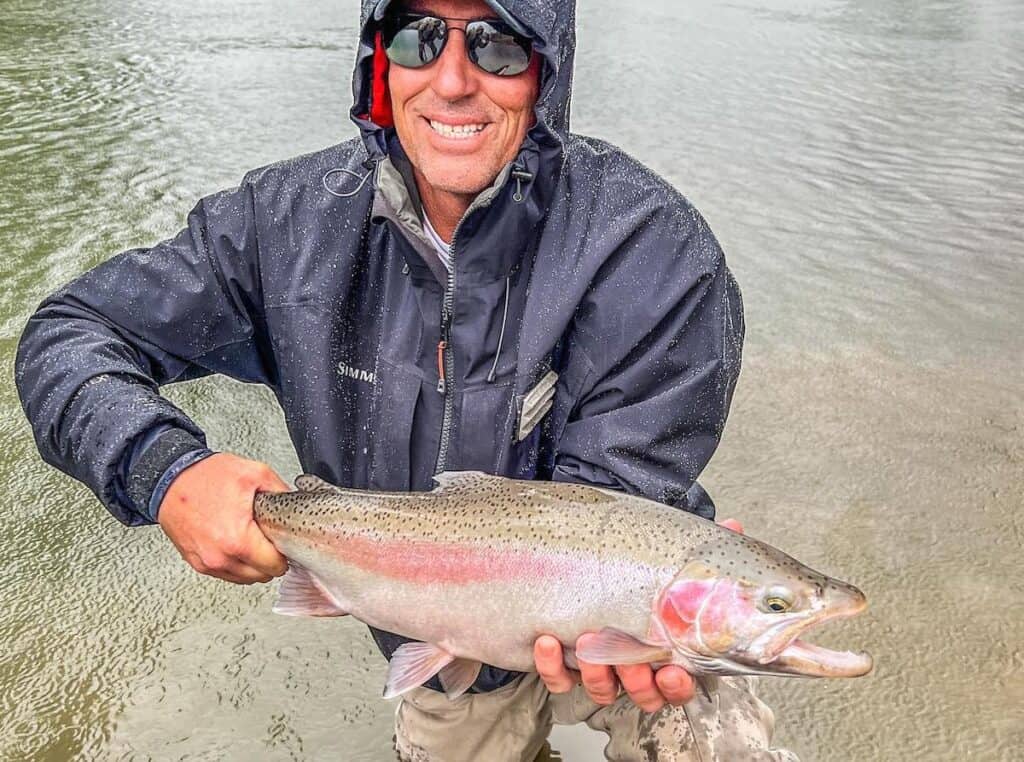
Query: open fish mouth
798, 657
794, 657
810, 660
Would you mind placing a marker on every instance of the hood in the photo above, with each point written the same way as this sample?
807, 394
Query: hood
551, 25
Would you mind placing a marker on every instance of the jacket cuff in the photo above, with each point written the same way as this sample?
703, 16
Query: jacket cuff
149, 467
165, 481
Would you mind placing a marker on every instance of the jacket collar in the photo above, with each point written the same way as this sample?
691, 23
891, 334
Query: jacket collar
497, 230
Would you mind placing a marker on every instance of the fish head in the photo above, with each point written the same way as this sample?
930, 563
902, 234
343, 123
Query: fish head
739, 607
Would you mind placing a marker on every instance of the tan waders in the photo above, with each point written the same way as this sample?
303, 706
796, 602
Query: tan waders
728, 724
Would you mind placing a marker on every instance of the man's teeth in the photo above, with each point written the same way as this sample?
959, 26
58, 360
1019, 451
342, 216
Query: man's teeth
456, 131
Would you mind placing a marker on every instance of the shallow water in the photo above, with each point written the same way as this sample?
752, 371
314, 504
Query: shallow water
862, 165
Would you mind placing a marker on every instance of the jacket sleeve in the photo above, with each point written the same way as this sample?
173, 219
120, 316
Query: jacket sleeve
661, 338
93, 356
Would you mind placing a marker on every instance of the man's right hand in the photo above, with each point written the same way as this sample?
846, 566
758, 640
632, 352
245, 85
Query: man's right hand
208, 514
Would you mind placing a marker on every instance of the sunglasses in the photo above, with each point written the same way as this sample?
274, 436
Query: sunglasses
414, 40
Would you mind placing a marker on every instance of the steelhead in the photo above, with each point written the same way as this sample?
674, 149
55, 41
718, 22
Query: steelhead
480, 566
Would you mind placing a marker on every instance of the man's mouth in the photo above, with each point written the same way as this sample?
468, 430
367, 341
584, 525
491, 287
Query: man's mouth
456, 131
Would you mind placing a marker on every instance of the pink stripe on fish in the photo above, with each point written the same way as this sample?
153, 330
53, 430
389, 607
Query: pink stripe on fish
448, 563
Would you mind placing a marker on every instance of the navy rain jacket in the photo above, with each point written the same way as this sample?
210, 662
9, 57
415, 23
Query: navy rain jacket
593, 330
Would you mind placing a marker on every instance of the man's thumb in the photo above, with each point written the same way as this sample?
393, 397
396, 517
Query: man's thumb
273, 483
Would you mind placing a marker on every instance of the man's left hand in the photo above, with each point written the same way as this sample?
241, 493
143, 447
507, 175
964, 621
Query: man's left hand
649, 689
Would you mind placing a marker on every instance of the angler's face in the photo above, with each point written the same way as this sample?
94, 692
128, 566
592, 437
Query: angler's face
492, 113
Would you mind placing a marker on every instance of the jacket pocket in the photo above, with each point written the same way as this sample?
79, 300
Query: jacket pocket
397, 393
486, 427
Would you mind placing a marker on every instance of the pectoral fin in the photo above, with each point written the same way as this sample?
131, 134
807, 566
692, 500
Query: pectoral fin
458, 676
301, 594
611, 646
412, 665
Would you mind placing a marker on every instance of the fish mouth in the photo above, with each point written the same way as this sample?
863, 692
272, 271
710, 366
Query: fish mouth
798, 657
780, 652
810, 660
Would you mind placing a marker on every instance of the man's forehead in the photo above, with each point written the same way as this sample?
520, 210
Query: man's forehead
452, 8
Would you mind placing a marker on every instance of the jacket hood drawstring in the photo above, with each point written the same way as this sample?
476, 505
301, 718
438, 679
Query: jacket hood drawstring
501, 334
370, 164
520, 175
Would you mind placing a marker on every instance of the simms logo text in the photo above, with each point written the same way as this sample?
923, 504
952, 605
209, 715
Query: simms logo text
366, 376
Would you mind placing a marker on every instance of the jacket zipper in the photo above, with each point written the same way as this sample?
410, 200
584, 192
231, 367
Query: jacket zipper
445, 360
445, 354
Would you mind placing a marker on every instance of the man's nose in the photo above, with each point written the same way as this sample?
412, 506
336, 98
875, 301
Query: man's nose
454, 77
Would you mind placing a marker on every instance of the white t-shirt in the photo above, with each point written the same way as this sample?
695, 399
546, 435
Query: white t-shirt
444, 250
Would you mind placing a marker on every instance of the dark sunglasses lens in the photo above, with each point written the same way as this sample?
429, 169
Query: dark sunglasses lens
496, 49
416, 42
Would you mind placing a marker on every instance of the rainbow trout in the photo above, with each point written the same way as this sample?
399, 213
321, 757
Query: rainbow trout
482, 565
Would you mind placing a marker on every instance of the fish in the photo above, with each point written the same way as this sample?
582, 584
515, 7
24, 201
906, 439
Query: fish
476, 569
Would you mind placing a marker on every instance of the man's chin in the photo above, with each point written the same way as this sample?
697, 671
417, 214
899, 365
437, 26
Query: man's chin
459, 177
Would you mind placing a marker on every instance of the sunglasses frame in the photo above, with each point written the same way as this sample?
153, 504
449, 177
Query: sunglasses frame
395, 23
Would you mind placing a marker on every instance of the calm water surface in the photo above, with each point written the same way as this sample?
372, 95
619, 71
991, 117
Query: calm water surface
861, 162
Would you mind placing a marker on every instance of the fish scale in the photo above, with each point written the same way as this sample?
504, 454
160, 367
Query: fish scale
482, 565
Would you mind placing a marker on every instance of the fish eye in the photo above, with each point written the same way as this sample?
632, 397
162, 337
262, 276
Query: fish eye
777, 604
778, 601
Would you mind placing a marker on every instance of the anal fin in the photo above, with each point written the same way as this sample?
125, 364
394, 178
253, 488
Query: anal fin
301, 594
412, 665
458, 676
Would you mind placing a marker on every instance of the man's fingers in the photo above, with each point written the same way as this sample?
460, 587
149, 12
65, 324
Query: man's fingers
675, 684
732, 524
273, 483
243, 558
638, 680
242, 574
547, 655
599, 679
229, 569
261, 553
600, 682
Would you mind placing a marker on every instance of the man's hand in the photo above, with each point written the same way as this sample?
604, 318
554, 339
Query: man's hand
207, 514
648, 688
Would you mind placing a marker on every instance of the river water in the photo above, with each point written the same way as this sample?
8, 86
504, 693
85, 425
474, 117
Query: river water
863, 166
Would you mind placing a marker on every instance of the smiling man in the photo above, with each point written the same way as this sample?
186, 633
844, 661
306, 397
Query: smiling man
468, 285
459, 124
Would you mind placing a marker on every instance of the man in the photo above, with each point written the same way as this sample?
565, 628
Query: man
469, 286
